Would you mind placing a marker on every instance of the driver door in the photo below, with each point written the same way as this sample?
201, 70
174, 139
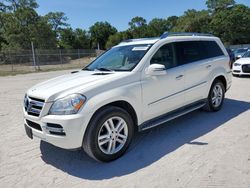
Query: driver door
164, 93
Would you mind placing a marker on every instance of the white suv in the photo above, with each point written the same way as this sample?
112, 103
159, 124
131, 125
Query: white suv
136, 85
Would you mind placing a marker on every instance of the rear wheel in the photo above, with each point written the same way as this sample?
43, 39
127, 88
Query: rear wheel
216, 97
109, 134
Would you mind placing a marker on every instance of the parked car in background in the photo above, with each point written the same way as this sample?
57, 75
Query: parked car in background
242, 65
238, 53
232, 56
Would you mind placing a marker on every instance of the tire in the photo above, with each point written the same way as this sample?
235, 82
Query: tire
99, 139
213, 105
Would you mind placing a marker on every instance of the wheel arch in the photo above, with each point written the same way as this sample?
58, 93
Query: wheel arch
222, 79
121, 104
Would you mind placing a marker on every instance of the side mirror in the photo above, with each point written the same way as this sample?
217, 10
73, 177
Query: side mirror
156, 70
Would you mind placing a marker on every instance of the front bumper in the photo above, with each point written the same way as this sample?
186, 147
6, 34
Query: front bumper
73, 127
237, 70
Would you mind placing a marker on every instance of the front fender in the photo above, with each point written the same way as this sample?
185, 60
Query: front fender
129, 93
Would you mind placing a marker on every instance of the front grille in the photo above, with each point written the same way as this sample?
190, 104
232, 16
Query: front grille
246, 68
33, 106
34, 125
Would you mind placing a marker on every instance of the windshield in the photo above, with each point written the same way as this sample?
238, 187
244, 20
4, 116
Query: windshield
123, 58
241, 50
247, 54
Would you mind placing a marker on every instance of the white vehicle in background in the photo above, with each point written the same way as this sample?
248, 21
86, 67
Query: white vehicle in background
242, 65
136, 85
238, 53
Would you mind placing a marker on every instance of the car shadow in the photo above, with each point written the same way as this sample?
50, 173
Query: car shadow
147, 147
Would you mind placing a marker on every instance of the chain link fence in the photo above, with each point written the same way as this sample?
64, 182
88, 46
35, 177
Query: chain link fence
42, 60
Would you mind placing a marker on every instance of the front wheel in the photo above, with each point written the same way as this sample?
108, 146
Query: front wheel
109, 134
216, 97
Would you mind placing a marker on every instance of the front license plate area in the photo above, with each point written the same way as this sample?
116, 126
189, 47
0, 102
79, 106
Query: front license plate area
28, 131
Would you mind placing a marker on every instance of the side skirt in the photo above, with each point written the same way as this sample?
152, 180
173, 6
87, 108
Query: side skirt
172, 115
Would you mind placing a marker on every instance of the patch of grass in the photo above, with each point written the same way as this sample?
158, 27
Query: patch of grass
14, 73
8, 70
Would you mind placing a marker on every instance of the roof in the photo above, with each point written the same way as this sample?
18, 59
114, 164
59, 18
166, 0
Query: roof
163, 36
139, 41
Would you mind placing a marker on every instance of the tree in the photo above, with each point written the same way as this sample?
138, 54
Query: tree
100, 33
82, 39
172, 21
213, 5
57, 20
67, 38
23, 26
193, 21
117, 38
232, 25
138, 27
157, 26
13, 5
74, 39
137, 22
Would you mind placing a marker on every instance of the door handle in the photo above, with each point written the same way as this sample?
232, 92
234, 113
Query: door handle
208, 66
179, 77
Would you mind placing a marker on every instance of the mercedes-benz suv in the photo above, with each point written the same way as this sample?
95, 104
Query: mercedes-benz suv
134, 86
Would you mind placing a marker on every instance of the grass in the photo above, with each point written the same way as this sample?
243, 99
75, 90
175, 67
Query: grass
12, 70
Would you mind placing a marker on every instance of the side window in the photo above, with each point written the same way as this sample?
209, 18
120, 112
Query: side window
165, 56
212, 49
189, 51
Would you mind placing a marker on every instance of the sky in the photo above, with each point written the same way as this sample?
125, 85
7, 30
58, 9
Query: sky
84, 13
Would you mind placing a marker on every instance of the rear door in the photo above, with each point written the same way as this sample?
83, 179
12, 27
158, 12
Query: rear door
198, 59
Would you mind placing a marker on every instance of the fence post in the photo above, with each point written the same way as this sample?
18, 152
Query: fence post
60, 55
37, 58
79, 54
11, 62
33, 54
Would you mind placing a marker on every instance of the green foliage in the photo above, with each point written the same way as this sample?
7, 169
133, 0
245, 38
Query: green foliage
23, 26
193, 21
158, 26
74, 39
213, 5
137, 22
20, 25
100, 33
57, 20
14, 5
117, 38
232, 25
138, 27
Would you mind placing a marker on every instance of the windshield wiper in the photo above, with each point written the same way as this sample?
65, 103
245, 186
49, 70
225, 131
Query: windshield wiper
86, 68
104, 69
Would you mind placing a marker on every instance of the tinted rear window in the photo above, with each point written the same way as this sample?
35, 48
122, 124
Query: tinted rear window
212, 49
191, 51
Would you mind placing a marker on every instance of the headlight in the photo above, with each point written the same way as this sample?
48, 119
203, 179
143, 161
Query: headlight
68, 105
237, 64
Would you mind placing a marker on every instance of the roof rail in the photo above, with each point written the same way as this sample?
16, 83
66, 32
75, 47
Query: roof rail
140, 39
167, 34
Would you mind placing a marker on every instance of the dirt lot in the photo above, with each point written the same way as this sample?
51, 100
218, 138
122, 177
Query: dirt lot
198, 150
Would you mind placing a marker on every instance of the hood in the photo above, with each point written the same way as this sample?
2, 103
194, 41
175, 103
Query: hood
57, 87
244, 60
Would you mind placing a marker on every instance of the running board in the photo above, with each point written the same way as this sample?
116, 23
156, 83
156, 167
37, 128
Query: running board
171, 115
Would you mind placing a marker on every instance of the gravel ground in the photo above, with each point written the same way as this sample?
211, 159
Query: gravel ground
198, 150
